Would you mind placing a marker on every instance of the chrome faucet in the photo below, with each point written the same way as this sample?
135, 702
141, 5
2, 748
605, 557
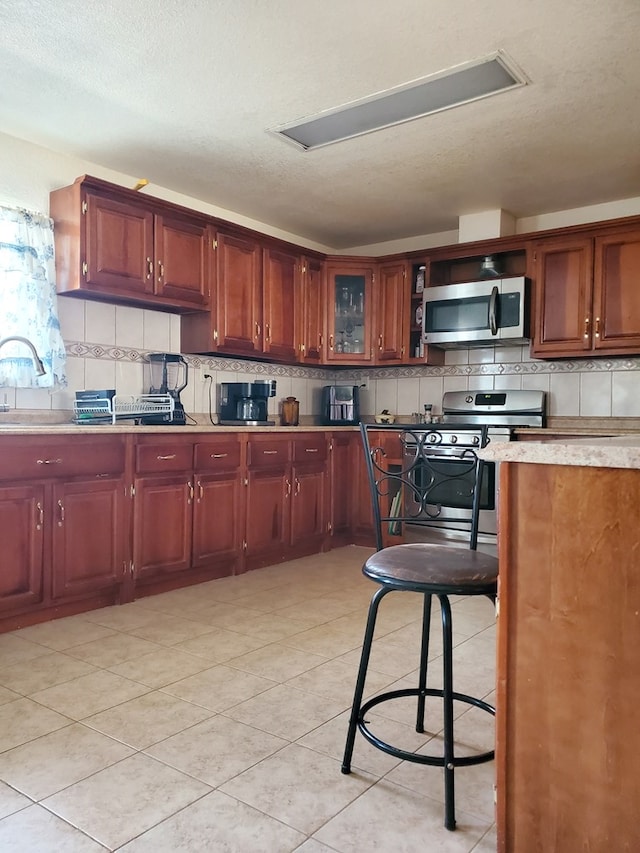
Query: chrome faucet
37, 361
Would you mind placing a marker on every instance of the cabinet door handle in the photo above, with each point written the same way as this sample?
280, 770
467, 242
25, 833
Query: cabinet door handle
149, 267
48, 461
61, 514
380, 343
586, 327
190, 487
169, 456
297, 491
219, 455
200, 491
330, 341
40, 516
258, 329
597, 329
288, 484
160, 270
311, 450
267, 332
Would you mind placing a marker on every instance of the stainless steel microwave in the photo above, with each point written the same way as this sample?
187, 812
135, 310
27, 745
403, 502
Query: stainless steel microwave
476, 313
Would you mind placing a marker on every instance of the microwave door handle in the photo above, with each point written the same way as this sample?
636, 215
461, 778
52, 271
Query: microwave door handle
493, 305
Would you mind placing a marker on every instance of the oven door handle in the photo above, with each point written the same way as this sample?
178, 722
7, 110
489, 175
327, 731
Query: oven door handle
493, 306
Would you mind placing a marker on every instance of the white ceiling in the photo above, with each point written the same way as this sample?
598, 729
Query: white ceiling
182, 92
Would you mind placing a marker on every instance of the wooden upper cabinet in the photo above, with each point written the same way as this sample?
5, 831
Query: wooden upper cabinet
350, 313
616, 301
587, 298
280, 300
182, 253
119, 247
390, 291
114, 244
238, 320
563, 289
310, 313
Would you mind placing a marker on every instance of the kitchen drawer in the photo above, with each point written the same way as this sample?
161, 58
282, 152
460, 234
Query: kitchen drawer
60, 456
310, 448
221, 455
267, 452
159, 457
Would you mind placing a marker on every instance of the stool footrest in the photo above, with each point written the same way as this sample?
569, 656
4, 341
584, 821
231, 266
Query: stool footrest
433, 760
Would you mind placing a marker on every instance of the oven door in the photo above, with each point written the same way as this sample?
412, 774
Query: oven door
453, 508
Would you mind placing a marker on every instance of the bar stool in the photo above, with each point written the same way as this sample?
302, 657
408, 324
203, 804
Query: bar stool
409, 484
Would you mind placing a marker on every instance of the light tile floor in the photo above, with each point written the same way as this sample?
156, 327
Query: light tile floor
213, 718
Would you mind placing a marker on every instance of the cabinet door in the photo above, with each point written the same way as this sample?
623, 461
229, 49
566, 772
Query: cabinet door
89, 536
311, 314
563, 284
616, 308
268, 516
350, 314
217, 522
390, 290
162, 520
239, 295
308, 505
281, 296
118, 248
182, 252
344, 447
22, 538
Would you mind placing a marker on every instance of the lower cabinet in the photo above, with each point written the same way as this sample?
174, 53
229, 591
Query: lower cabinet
88, 520
64, 530
286, 497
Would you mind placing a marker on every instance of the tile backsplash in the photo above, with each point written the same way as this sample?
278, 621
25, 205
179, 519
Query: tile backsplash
106, 345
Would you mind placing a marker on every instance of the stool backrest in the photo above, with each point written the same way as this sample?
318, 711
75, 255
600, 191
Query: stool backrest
409, 482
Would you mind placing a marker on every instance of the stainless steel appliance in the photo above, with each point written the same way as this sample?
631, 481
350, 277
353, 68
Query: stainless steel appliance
340, 405
168, 374
476, 313
245, 403
500, 412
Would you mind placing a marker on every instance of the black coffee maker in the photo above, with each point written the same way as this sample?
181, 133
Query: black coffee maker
245, 403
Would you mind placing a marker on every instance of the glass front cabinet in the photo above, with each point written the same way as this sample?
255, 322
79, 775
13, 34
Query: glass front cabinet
349, 313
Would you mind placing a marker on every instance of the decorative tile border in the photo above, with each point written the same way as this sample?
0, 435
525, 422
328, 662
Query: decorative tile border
79, 349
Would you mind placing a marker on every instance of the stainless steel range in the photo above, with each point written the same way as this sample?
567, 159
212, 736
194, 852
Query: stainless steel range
501, 412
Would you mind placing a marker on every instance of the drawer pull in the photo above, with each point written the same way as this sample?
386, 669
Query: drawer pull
311, 450
270, 452
48, 461
219, 455
169, 456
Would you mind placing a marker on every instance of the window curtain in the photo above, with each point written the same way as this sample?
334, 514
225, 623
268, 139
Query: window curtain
28, 301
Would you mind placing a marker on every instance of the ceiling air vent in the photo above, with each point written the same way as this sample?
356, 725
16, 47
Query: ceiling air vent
441, 91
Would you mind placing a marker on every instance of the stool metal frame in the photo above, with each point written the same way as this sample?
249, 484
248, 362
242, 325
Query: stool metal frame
427, 569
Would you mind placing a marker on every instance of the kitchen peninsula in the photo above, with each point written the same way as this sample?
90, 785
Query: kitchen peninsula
568, 683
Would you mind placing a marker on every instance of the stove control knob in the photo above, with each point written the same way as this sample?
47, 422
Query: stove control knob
468, 399
454, 439
432, 438
476, 439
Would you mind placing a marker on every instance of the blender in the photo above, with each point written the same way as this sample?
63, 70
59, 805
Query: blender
168, 374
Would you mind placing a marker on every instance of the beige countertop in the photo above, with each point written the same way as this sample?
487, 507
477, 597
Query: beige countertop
618, 451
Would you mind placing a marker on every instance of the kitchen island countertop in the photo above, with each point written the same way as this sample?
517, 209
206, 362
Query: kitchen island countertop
617, 451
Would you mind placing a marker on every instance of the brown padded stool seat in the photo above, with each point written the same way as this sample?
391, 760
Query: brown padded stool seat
437, 569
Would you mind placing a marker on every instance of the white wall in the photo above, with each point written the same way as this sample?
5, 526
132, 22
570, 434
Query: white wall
106, 343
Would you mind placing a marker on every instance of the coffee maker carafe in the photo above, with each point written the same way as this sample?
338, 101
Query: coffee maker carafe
245, 403
168, 374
